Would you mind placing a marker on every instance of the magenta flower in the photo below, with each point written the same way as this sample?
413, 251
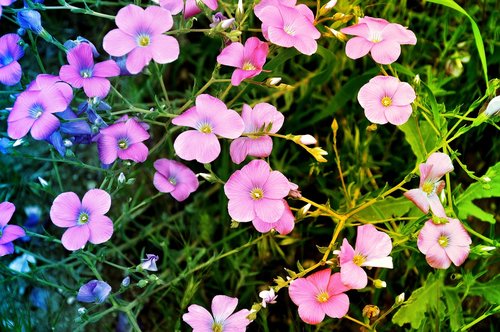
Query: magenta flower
248, 59
443, 244
427, 195
173, 6
10, 52
140, 34
256, 191
33, 109
85, 221
223, 319
283, 225
175, 178
386, 99
372, 249
263, 118
210, 117
123, 140
379, 37
94, 291
318, 295
82, 72
192, 8
149, 263
8, 233
287, 25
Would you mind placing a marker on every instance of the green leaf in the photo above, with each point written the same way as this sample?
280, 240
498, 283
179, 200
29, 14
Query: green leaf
421, 301
489, 290
478, 190
454, 306
387, 208
421, 138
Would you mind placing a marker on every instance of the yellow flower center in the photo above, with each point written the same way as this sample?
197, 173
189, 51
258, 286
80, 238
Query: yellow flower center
428, 188
289, 30
217, 327
443, 241
257, 194
375, 36
83, 218
358, 259
143, 41
386, 101
206, 129
248, 66
323, 297
122, 144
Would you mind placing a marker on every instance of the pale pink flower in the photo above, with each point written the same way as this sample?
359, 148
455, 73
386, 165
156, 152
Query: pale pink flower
318, 295
175, 178
427, 195
443, 244
372, 249
140, 35
268, 297
381, 38
190, 9
210, 118
263, 118
221, 319
386, 99
248, 59
283, 225
256, 191
8, 233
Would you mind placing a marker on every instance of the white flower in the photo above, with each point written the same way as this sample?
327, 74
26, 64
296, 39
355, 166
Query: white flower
268, 297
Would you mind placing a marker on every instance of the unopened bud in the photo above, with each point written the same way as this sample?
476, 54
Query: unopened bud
142, 283
240, 11
234, 35
326, 8
318, 154
493, 107
126, 281
272, 81
307, 140
337, 34
121, 178
400, 298
379, 283
371, 311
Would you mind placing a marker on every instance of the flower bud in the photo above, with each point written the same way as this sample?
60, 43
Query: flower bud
273, 81
30, 19
379, 283
126, 281
400, 299
240, 11
121, 178
307, 140
326, 8
371, 311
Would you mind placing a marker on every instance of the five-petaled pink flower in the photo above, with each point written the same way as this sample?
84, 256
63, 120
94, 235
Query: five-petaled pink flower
85, 220
386, 99
82, 72
247, 59
209, 117
443, 244
223, 319
8, 233
175, 178
381, 38
372, 249
283, 225
427, 194
256, 191
287, 25
263, 118
123, 140
318, 295
140, 35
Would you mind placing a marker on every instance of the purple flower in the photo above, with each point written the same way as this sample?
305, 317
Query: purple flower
123, 140
149, 263
5, 3
201, 320
30, 19
175, 178
73, 126
140, 34
82, 72
8, 233
94, 291
85, 220
70, 44
10, 52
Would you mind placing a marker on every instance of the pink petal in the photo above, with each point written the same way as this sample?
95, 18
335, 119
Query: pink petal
302, 291
23, 103
107, 147
360, 29
346, 252
11, 74
44, 126
386, 52
130, 19
173, 6
437, 258
65, 209
135, 131
258, 171
436, 206
380, 262
239, 75
306, 45
96, 87
239, 184
54, 99
81, 57
372, 243
460, 235
212, 4
279, 37
241, 209
107, 68
19, 128
238, 149
6, 249
441, 165
260, 147
223, 306
158, 19
320, 279
404, 95
336, 306
138, 58
276, 186
71, 75
228, 124
101, 229
118, 43
311, 312
399, 34
256, 51
7, 209
358, 47
237, 321
11, 233
137, 152
96, 201
269, 210
262, 226
425, 170
162, 184
182, 192
165, 49
287, 221
75, 237
457, 254
428, 236
195, 145
198, 318
369, 97
353, 276
335, 285
189, 118
398, 115
419, 198
232, 55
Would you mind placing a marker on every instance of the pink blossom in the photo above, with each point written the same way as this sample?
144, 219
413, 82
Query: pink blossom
444, 243
175, 178
85, 221
287, 25
263, 118
123, 140
427, 195
140, 34
372, 249
10, 53
256, 191
222, 318
190, 9
268, 297
386, 99
247, 59
318, 295
210, 118
381, 38
283, 225
8, 233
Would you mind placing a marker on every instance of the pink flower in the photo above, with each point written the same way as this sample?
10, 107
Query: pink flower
175, 178
82, 72
444, 243
140, 34
381, 38
283, 225
209, 117
287, 25
372, 249
386, 99
222, 321
256, 191
318, 295
8, 233
427, 194
85, 220
123, 140
191, 8
248, 59
263, 118
268, 297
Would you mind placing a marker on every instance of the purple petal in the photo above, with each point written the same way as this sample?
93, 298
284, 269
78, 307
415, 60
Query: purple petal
19, 128
138, 58
158, 19
137, 152
189, 118
162, 184
107, 147
118, 43
96, 201
96, 87
65, 209
11, 233
135, 131
6, 249
101, 229
302, 291
7, 209
71, 75
11, 73
81, 57
75, 237
165, 49
93, 291
107, 68
44, 126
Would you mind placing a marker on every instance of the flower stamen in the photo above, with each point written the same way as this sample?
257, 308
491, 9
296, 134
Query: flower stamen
257, 194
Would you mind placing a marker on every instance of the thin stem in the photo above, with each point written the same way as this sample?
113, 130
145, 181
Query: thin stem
357, 321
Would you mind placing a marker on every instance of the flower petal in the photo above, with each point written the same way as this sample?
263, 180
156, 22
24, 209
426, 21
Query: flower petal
372, 243
96, 201
101, 229
223, 306
138, 58
75, 237
398, 115
437, 258
269, 210
96, 87
419, 198
336, 306
158, 19
11, 233
353, 276
165, 49
232, 55
118, 43
7, 209
241, 209
44, 126
107, 68
137, 152
276, 186
107, 147
65, 209
198, 318
436, 206
357, 47
195, 145
441, 165
11, 74
6, 249
162, 184
386, 52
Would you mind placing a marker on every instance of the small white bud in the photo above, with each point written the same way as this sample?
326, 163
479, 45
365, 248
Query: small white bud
18, 142
493, 107
400, 298
43, 182
273, 80
70, 300
82, 311
307, 140
121, 178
